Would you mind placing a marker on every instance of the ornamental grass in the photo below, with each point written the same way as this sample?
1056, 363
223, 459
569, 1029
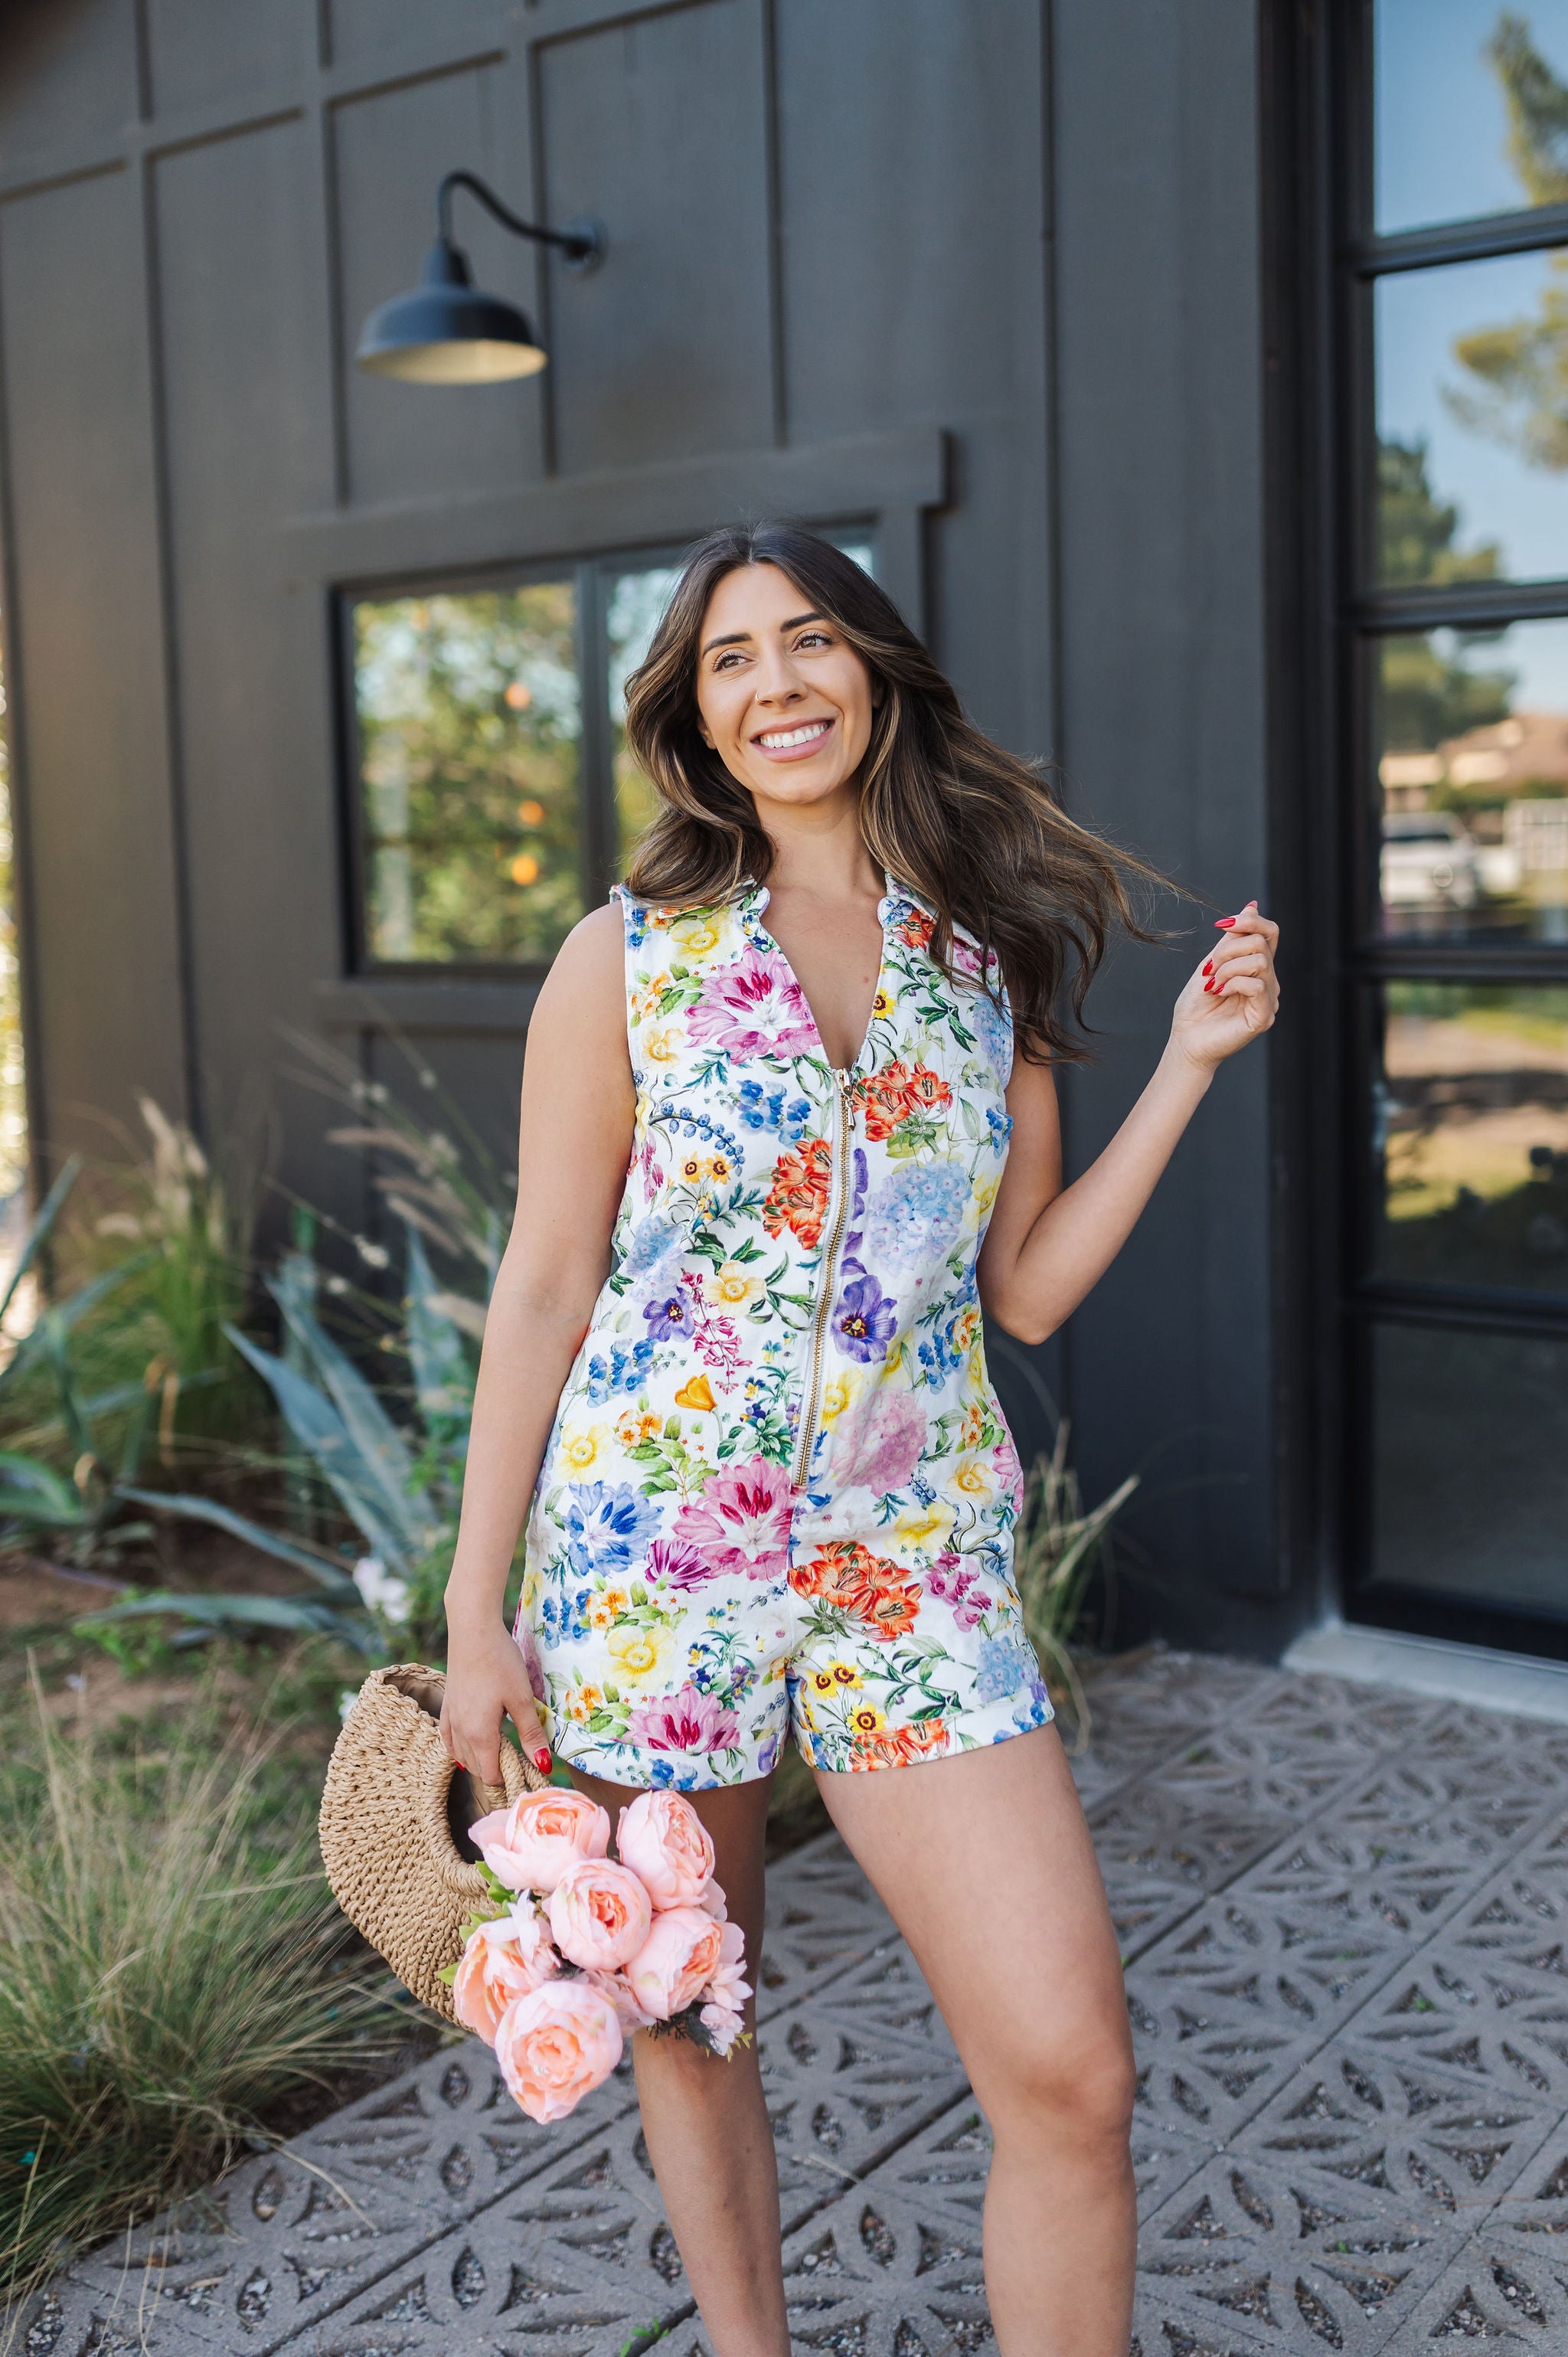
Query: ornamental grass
176, 1983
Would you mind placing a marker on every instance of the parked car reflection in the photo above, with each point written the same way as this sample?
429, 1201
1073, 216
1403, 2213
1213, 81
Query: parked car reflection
1428, 862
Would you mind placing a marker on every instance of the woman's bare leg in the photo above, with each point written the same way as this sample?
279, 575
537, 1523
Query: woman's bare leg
985, 1862
705, 2121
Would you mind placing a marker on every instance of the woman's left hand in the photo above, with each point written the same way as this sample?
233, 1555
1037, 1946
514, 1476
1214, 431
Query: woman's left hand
1234, 995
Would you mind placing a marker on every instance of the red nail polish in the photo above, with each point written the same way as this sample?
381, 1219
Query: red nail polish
542, 1761
1209, 965
1224, 923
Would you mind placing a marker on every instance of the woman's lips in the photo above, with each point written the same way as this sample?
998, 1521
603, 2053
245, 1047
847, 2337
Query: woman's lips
820, 731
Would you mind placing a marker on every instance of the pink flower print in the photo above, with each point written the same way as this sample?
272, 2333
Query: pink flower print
954, 1581
1009, 1473
754, 1006
688, 1720
881, 1450
741, 1521
683, 1567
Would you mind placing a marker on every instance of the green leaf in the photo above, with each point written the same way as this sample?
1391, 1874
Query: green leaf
330, 1576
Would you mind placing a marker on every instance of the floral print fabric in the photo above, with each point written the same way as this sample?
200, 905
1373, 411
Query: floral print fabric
779, 1489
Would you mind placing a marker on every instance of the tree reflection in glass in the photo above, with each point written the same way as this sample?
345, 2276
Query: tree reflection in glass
470, 725
1472, 1138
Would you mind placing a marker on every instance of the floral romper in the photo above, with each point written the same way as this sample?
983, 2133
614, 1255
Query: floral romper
779, 1489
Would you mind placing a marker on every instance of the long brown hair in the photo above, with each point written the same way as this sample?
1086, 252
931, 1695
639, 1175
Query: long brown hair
975, 833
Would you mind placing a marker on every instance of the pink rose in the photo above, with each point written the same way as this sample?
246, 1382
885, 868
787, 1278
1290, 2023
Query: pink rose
616, 1992
555, 2045
677, 1960
500, 1961
724, 2014
599, 1914
530, 1845
665, 1843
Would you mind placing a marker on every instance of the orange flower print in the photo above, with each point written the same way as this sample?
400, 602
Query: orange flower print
915, 929
797, 1199
880, 1096
847, 1576
926, 1090
895, 1746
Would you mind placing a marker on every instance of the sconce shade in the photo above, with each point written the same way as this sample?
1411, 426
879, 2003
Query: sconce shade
447, 331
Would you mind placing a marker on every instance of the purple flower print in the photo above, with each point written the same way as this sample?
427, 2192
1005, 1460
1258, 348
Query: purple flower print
669, 1315
741, 1521
863, 1317
687, 1720
754, 1006
953, 1582
683, 1567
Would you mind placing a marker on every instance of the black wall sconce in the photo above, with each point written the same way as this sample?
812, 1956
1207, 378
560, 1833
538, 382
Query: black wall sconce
447, 330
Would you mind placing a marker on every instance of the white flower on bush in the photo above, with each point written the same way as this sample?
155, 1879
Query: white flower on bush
382, 1590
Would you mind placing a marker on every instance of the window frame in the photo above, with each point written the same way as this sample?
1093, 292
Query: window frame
592, 574
1359, 616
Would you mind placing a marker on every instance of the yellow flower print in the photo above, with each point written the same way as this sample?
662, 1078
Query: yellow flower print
966, 1330
867, 1719
837, 1397
919, 1527
632, 1430
822, 1681
983, 1196
694, 937
605, 1609
663, 1046
844, 1674
581, 1450
973, 1430
732, 1286
532, 1585
649, 1003
973, 1480
638, 1651
582, 1704
881, 1004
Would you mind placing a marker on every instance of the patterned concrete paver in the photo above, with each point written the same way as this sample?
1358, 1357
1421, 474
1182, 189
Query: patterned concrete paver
1345, 1920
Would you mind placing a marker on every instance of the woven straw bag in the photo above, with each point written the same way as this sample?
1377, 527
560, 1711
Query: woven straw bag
391, 1801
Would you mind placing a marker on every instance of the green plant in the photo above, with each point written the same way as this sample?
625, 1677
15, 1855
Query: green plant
171, 1968
1057, 1549
400, 1488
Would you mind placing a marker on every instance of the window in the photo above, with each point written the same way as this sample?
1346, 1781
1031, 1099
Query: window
494, 796
1454, 627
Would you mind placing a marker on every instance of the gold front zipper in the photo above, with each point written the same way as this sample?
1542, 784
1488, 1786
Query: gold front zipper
811, 1403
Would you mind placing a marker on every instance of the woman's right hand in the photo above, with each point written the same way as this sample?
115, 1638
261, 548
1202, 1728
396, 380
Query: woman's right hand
487, 1680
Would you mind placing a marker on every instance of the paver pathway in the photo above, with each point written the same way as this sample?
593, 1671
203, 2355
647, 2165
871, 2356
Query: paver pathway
1345, 1915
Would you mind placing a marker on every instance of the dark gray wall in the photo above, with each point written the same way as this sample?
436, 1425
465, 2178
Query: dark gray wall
865, 256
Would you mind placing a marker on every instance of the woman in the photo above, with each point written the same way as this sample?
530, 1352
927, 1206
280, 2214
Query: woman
742, 1382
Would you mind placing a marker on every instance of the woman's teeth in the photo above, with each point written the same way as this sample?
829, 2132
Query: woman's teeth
778, 739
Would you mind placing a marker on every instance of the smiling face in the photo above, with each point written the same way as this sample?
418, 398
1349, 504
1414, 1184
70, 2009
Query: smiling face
782, 697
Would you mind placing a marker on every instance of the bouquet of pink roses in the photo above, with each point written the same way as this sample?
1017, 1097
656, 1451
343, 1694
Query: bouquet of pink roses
578, 1950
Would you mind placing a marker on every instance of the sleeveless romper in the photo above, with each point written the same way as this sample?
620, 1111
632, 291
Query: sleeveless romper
779, 1487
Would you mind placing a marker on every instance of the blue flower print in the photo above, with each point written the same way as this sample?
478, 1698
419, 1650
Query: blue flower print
623, 1371
1001, 1127
770, 1109
1003, 1668
994, 1030
563, 1618
916, 1214
669, 1315
607, 1528
865, 1319
651, 1243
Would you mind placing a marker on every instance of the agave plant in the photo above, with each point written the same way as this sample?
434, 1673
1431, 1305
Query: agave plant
1057, 1548
399, 1487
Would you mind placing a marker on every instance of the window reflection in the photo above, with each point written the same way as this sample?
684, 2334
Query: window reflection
469, 727
1472, 1134
1470, 1466
1472, 781
1466, 122
1472, 420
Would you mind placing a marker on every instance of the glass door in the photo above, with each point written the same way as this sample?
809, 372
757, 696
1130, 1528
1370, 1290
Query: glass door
1454, 637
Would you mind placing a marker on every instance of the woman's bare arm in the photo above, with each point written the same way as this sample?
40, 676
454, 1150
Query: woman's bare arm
1048, 1246
577, 1114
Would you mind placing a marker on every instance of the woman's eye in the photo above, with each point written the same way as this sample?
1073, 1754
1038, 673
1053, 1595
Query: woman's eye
813, 637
